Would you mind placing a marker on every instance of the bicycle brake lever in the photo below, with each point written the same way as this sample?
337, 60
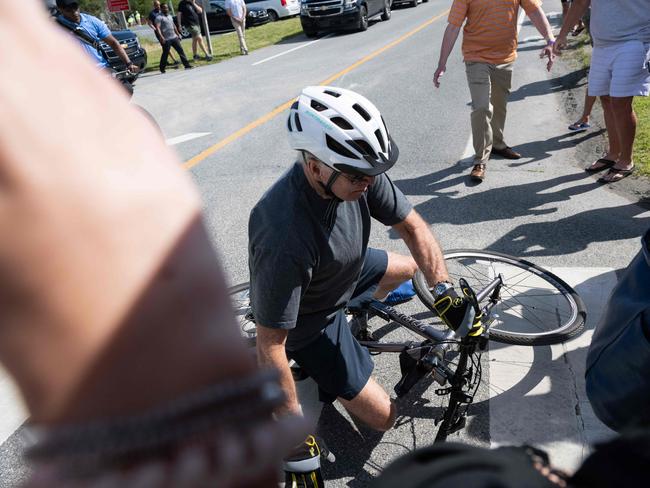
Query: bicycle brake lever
469, 295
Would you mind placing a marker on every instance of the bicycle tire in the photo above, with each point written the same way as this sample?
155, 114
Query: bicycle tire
240, 301
521, 303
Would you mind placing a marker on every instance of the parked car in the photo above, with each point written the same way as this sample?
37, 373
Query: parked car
410, 3
277, 9
320, 15
131, 44
218, 20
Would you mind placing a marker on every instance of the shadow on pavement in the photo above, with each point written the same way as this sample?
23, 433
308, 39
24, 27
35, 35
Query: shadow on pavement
568, 81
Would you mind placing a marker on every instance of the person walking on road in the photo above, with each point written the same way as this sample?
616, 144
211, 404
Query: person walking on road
151, 21
620, 71
236, 10
489, 51
189, 13
168, 31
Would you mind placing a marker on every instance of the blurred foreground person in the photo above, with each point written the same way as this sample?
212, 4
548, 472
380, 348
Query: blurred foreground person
115, 321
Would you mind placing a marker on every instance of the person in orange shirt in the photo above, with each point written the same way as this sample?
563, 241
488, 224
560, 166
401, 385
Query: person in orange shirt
489, 51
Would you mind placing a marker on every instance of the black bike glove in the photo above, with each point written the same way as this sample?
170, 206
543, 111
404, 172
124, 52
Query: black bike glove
451, 308
302, 466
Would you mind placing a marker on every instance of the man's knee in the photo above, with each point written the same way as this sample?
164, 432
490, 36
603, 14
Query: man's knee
373, 407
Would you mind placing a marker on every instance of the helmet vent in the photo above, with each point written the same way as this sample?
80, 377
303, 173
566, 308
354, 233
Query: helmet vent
363, 147
319, 107
338, 148
361, 111
342, 123
289, 124
332, 93
380, 139
294, 105
297, 122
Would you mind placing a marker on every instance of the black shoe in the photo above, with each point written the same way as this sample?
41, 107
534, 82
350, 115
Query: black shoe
162, 71
506, 152
189, 66
208, 58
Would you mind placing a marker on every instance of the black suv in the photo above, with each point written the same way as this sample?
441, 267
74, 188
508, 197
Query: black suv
131, 45
319, 15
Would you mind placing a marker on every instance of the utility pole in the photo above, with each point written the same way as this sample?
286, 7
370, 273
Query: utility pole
204, 17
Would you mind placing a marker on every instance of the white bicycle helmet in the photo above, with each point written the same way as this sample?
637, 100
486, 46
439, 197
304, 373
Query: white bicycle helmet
342, 129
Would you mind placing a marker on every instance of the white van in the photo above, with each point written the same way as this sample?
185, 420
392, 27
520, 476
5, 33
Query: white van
277, 9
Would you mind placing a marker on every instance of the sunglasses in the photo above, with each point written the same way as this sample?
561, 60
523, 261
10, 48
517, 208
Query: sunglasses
355, 179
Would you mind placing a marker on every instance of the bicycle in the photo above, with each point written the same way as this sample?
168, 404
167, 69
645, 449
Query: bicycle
517, 302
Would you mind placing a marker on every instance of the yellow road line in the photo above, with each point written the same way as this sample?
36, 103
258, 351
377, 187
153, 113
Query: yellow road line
265, 118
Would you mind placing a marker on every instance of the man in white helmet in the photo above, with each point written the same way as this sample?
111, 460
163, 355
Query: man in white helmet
309, 256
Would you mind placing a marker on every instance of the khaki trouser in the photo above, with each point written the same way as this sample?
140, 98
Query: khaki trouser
240, 28
489, 85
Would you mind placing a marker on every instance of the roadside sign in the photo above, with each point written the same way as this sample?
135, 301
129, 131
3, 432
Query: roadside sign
118, 5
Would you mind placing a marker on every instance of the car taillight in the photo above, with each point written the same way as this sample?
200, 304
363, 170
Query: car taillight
283, 3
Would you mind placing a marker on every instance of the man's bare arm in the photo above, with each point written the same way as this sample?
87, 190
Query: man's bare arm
119, 50
539, 20
424, 247
271, 353
448, 42
577, 10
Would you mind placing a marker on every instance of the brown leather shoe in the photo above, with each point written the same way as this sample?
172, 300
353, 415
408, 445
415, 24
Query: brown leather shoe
506, 152
478, 172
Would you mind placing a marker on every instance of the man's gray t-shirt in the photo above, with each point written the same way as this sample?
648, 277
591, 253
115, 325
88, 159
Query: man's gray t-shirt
614, 21
166, 25
303, 266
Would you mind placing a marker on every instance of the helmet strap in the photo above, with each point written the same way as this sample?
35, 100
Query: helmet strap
330, 182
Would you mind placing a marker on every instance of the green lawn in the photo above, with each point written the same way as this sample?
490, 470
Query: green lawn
642, 141
226, 46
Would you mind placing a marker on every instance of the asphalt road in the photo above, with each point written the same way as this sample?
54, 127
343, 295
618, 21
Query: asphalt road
231, 120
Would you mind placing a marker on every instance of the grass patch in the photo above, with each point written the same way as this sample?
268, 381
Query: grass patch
226, 46
642, 140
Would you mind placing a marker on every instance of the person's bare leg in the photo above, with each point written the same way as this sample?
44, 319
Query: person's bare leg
202, 45
399, 269
372, 406
625, 120
194, 46
586, 110
614, 149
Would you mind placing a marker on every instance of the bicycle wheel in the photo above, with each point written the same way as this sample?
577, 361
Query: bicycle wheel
536, 307
240, 300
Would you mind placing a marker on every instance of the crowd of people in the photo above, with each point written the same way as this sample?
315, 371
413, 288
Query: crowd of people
116, 323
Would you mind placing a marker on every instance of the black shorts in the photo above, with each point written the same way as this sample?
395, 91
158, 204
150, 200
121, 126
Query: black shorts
336, 361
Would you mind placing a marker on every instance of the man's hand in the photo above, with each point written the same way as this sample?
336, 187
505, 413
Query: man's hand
560, 44
451, 308
547, 52
133, 68
440, 71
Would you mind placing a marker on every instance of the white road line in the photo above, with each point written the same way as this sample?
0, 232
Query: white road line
11, 406
520, 19
186, 137
291, 50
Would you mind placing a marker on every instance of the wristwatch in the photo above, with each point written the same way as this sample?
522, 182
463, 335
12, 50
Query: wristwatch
441, 287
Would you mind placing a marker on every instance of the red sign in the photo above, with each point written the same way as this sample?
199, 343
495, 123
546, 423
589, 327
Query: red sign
118, 5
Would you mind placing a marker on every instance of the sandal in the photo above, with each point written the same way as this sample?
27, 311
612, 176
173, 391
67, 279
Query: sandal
604, 164
579, 126
616, 175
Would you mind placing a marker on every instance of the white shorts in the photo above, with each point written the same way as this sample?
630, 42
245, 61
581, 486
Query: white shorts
620, 70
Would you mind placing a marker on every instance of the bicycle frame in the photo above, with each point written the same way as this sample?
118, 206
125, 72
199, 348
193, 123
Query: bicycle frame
433, 362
